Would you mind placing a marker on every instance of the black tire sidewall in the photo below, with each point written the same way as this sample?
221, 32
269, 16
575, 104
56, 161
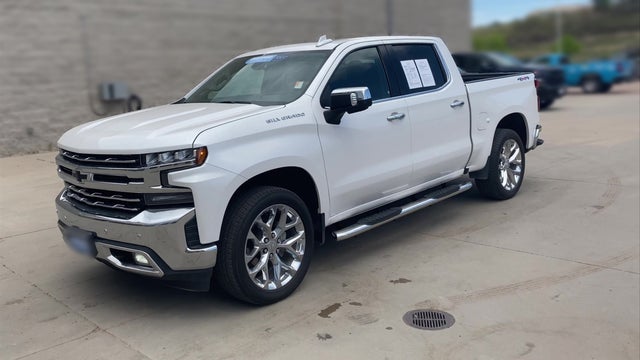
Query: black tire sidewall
237, 237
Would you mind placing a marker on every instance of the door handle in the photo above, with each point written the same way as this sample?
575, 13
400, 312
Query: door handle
395, 116
456, 104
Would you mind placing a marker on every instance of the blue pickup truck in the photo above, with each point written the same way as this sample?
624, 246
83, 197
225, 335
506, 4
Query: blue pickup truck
594, 76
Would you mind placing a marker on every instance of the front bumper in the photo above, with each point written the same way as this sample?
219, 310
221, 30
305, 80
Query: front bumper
158, 236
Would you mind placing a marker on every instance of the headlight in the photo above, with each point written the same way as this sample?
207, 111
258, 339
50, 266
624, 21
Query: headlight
186, 157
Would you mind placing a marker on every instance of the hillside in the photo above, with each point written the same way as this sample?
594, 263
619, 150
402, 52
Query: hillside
589, 33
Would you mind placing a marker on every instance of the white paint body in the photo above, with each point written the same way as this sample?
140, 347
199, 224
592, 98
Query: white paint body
365, 162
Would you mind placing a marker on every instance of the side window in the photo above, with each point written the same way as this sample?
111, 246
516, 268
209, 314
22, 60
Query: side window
360, 68
474, 64
417, 68
564, 60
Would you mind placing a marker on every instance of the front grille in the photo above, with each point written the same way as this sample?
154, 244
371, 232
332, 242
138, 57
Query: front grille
103, 161
108, 203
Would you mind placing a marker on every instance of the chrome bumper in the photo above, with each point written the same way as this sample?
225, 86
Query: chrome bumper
157, 235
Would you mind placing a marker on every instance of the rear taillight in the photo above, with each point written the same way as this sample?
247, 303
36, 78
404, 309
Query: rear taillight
536, 82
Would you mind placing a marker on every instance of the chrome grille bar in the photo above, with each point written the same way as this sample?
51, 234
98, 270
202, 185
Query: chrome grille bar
99, 195
127, 161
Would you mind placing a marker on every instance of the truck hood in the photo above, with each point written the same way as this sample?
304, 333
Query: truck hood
161, 128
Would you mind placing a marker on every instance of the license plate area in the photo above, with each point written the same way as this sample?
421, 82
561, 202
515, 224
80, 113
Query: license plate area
81, 241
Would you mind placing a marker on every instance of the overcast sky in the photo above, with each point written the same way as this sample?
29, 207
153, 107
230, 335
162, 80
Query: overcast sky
485, 12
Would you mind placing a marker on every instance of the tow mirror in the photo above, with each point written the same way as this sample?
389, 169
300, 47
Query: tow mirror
347, 100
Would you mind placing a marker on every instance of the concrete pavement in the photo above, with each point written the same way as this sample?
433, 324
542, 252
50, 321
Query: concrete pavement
550, 274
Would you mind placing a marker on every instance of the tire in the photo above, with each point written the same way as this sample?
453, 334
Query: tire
499, 184
252, 226
604, 88
546, 103
591, 85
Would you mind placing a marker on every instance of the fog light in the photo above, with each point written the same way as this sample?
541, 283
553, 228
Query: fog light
141, 260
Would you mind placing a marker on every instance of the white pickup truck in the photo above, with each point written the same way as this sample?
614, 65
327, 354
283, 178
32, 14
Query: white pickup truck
285, 147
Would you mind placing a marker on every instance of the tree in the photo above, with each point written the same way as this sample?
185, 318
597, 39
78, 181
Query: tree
570, 46
601, 4
493, 41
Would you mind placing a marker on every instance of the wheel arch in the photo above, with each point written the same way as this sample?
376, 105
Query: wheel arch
518, 123
296, 180
515, 121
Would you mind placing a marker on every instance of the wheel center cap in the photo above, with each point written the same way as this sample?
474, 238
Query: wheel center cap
272, 246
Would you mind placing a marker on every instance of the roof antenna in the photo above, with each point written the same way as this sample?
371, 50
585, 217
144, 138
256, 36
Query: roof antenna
323, 41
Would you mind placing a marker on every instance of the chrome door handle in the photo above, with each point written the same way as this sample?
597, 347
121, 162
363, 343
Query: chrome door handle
395, 116
456, 104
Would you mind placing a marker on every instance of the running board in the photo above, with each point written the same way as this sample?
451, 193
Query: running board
388, 215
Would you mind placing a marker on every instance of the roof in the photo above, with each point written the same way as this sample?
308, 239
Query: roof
331, 45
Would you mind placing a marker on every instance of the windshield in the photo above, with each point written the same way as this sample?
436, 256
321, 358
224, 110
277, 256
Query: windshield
504, 59
273, 79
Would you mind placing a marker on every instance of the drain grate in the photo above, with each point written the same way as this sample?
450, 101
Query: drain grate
428, 319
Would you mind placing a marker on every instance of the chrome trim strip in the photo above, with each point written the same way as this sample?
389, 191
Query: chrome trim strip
99, 195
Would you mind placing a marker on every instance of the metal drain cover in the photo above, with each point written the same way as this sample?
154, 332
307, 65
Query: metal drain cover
428, 319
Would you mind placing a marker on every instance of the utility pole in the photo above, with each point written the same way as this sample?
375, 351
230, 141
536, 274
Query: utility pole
389, 17
559, 30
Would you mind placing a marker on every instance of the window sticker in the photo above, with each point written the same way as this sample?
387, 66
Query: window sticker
298, 85
411, 73
426, 75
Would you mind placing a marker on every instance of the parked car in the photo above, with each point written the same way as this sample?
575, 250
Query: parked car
285, 147
550, 88
594, 76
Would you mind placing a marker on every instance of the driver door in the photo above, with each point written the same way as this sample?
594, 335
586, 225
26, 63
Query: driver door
368, 155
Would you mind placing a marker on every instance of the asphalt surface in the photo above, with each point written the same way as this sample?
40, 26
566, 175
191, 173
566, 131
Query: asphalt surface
550, 274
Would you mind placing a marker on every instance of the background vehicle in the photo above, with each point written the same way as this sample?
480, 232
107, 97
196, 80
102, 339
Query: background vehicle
550, 88
594, 76
283, 147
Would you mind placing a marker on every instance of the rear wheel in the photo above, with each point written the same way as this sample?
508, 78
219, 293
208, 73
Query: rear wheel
266, 246
591, 84
506, 166
605, 88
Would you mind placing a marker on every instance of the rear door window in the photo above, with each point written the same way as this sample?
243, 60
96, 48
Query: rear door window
417, 68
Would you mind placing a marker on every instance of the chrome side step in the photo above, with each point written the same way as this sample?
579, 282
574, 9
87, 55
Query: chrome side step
388, 215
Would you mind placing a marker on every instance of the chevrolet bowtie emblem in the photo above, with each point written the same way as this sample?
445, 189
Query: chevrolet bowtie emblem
80, 176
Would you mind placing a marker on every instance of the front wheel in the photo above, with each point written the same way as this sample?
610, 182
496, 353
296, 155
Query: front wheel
266, 246
506, 166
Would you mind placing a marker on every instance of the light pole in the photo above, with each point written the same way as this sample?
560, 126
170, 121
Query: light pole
559, 29
389, 17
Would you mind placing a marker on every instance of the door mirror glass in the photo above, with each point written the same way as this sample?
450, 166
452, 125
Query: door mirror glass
347, 100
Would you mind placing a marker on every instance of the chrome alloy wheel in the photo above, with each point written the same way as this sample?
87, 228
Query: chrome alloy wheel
510, 165
274, 247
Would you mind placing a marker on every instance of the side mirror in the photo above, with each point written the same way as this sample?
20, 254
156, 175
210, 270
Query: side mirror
347, 100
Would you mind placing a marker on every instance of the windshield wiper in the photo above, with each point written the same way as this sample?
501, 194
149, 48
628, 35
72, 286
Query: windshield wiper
233, 102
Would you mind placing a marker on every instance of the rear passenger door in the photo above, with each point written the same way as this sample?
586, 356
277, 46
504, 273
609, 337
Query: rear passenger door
438, 111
